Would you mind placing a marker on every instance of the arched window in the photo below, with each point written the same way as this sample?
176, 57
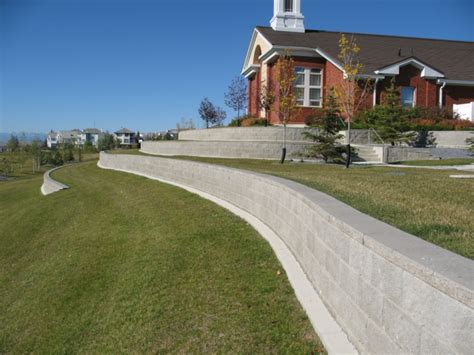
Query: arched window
289, 5
257, 54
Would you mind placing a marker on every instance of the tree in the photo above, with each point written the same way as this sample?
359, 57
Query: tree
324, 132
67, 152
106, 142
236, 96
267, 99
13, 143
287, 107
5, 167
56, 158
391, 120
352, 92
185, 124
211, 114
35, 151
220, 116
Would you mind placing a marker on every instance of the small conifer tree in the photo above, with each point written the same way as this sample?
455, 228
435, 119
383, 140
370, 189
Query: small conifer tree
324, 132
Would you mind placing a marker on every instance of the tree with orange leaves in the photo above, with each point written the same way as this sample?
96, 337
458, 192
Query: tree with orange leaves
353, 91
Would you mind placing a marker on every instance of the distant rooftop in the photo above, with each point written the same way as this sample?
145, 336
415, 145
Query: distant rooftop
124, 131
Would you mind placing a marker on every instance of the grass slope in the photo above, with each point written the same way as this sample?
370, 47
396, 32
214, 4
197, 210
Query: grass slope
426, 203
441, 162
119, 263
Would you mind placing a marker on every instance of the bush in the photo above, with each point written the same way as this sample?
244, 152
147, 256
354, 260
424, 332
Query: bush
248, 121
470, 142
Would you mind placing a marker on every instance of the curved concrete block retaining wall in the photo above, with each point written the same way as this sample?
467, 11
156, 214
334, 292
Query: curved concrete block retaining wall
51, 186
219, 149
390, 291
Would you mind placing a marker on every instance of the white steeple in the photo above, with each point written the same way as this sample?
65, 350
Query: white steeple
287, 16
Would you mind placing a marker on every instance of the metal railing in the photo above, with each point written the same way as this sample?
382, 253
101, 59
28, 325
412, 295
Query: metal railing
376, 135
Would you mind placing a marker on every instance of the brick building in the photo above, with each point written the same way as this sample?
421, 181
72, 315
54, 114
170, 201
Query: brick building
428, 72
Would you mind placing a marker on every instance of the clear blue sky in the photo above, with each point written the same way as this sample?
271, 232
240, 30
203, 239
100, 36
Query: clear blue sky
145, 64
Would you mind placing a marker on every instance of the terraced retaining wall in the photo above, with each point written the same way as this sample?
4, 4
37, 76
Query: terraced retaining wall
444, 139
391, 292
50, 185
220, 149
242, 134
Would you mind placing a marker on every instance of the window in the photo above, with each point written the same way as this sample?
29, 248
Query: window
308, 87
288, 5
408, 96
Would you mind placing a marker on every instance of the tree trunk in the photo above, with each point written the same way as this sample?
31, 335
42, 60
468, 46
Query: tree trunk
348, 147
283, 152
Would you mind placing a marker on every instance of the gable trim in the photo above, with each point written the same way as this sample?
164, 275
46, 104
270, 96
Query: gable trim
255, 33
426, 70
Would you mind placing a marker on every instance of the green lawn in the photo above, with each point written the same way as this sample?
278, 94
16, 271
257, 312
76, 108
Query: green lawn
426, 203
446, 162
123, 264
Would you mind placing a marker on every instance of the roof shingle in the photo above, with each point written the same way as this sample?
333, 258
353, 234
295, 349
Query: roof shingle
453, 58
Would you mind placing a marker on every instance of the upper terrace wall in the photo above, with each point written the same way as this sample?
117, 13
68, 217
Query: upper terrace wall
444, 139
390, 291
242, 134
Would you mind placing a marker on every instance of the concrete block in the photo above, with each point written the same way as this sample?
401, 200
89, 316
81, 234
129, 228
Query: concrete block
401, 328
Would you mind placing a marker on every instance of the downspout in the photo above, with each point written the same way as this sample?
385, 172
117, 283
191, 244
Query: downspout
374, 102
441, 94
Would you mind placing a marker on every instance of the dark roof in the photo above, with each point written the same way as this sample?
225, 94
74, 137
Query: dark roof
92, 131
455, 59
124, 131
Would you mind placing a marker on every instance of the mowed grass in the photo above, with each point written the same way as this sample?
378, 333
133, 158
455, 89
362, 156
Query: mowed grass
123, 264
426, 203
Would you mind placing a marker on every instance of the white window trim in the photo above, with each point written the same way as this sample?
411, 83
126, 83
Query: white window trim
307, 87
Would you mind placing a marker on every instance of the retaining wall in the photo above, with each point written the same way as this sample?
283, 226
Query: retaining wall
220, 149
50, 185
452, 139
390, 291
444, 139
397, 154
242, 134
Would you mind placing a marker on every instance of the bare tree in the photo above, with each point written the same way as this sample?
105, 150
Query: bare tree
236, 96
211, 114
352, 92
287, 107
185, 124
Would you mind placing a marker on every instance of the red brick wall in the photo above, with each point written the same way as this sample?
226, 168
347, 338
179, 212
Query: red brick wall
457, 95
254, 89
426, 89
331, 76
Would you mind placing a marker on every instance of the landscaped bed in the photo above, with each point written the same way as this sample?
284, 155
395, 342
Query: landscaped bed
120, 263
426, 203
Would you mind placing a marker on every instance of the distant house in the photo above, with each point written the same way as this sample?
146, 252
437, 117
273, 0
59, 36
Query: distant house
52, 140
125, 137
69, 137
91, 135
